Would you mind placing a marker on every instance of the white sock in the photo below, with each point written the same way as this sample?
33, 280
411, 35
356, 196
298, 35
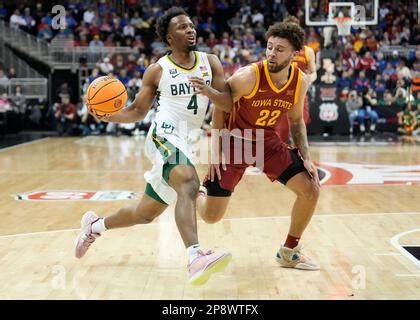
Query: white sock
192, 252
99, 226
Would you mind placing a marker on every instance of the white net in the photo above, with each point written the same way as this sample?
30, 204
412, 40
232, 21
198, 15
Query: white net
343, 25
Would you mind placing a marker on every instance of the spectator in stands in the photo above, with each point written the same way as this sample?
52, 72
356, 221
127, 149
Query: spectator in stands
353, 104
211, 41
279, 9
207, 27
16, 20
202, 46
138, 43
29, 25
395, 58
387, 100
64, 89
71, 22
133, 86
236, 21
96, 42
118, 63
65, 114
12, 73
19, 100
104, 22
256, 17
403, 71
401, 96
379, 84
361, 82
129, 31
371, 42
45, 32
5, 103
368, 64
93, 75
82, 41
367, 111
313, 40
137, 22
344, 81
380, 62
89, 15
123, 77
106, 67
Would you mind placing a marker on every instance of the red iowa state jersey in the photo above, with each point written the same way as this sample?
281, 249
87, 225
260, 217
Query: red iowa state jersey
266, 105
301, 59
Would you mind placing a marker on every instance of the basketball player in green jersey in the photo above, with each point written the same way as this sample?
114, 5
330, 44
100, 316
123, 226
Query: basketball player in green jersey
181, 108
266, 94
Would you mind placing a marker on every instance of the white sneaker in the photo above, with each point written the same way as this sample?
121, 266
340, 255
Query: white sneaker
293, 258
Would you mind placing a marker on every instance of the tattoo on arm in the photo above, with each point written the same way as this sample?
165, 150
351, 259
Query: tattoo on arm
300, 138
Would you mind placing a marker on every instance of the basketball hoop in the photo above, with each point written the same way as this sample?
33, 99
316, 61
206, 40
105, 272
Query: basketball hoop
343, 25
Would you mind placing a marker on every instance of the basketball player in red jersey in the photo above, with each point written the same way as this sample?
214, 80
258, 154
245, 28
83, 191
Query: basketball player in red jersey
305, 61
265, 95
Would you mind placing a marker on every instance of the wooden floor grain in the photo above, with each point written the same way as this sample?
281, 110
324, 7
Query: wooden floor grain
350, 234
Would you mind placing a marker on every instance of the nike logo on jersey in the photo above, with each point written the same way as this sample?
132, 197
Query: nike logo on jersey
175, 75
260, 90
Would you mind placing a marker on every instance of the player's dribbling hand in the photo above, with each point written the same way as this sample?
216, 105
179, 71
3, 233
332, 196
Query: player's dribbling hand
312, 170
98, 118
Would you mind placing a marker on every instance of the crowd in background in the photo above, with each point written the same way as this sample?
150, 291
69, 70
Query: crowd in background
234, 30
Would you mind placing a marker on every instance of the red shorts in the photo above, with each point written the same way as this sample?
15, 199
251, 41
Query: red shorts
276, 159
284, 128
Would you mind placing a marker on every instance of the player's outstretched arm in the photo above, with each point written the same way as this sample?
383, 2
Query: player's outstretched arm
138, 109
242, 82
218, 92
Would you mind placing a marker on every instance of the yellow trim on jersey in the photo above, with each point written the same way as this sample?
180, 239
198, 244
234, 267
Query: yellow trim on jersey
197, 62
305, 48
257, 83
298, 84
162, 145
272, 86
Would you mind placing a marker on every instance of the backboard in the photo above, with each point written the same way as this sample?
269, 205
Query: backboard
324, 12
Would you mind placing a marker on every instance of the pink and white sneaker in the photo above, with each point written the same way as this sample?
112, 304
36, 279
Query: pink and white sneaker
86, 237
205, 264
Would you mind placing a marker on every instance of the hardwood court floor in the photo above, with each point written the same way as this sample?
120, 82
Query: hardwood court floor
350, 234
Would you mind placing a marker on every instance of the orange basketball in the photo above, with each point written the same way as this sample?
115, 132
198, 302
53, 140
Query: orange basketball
106, 95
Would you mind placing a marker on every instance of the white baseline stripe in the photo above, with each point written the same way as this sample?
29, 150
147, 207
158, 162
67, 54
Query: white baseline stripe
407, 274
24, 144
229, 219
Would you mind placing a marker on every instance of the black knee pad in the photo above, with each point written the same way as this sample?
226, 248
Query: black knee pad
295, 168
